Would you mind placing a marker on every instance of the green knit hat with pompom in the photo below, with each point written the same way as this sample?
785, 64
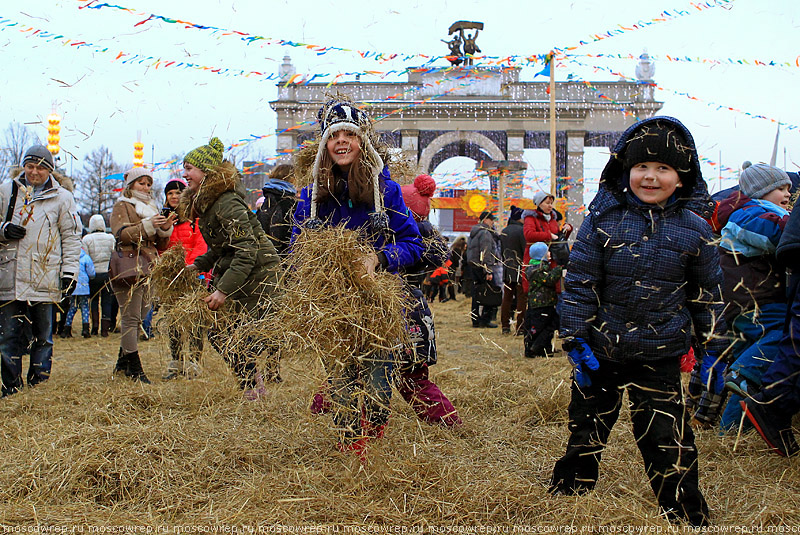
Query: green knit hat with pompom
206, 157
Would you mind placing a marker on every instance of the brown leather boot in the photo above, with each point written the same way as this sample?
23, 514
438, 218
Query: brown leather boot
105, 325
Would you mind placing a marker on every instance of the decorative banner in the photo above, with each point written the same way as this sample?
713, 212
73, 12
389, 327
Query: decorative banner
247, 38
687, 59
788, 126
382, 57
664, 16
297, 79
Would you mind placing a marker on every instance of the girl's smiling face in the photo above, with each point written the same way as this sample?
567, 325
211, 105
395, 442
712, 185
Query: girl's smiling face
344, 148
193, 175
173, 198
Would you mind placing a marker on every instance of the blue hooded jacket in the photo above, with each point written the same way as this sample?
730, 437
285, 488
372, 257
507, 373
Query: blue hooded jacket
641, 275
85, 273
402, 249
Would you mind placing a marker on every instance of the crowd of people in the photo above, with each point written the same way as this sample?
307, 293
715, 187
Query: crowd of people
661, 279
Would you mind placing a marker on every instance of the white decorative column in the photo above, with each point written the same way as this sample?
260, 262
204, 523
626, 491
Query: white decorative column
575, 171
409, 144
515, 144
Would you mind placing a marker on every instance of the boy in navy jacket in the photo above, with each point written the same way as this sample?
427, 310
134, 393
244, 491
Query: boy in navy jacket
643, 272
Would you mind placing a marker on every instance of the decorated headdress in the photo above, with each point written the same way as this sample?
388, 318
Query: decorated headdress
340, 114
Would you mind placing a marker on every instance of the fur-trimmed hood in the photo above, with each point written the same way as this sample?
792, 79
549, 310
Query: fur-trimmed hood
63, 180
224, 177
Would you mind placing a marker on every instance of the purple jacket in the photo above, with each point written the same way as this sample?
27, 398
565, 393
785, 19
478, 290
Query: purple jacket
403, 248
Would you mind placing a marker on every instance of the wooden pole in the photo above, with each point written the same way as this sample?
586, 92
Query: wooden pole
551, 58
501, 196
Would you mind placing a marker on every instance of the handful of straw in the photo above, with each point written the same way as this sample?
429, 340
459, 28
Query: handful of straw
179, 290
332, 307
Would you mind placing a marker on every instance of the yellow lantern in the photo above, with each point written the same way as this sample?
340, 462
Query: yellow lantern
53, 133
138, 154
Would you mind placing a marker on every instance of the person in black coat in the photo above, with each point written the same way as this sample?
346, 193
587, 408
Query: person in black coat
483, 257
275, 214
512, 248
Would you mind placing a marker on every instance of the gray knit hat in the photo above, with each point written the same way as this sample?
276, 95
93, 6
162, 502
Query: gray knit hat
759, 179
39, 155
540, 196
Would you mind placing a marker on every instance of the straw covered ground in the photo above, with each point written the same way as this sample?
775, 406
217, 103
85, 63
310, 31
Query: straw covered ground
83, 449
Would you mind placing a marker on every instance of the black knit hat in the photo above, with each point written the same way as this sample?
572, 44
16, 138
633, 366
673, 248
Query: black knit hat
658, 141
175, 183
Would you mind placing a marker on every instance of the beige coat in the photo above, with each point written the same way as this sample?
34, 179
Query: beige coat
136, 232
31, 268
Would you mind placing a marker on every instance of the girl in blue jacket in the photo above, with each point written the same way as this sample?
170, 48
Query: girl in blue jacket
351, 187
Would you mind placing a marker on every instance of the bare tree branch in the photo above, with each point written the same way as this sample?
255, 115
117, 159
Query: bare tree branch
17, 139
94, 192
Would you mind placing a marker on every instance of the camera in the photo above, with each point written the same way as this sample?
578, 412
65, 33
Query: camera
166, 211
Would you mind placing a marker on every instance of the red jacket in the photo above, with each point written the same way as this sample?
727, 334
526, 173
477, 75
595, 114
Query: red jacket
537, 229
189, 235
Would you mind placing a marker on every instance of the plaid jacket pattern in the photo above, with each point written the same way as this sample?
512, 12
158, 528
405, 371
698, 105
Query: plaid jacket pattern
641, 276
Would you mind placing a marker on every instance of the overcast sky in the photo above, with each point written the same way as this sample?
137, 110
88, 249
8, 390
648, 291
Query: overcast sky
106, 102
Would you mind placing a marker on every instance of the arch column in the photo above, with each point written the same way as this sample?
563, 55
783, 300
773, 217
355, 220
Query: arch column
575, 146
409, 144
515, 145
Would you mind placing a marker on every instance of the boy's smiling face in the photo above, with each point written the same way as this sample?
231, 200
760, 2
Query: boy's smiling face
654, 182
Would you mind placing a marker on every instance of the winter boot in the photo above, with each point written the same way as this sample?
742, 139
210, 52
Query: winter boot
95, 321
135, 370
174, 369
122, 365
66, 332
85, 331
105, 325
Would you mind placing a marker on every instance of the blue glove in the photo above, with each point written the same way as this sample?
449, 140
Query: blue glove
712, 372
579, 356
